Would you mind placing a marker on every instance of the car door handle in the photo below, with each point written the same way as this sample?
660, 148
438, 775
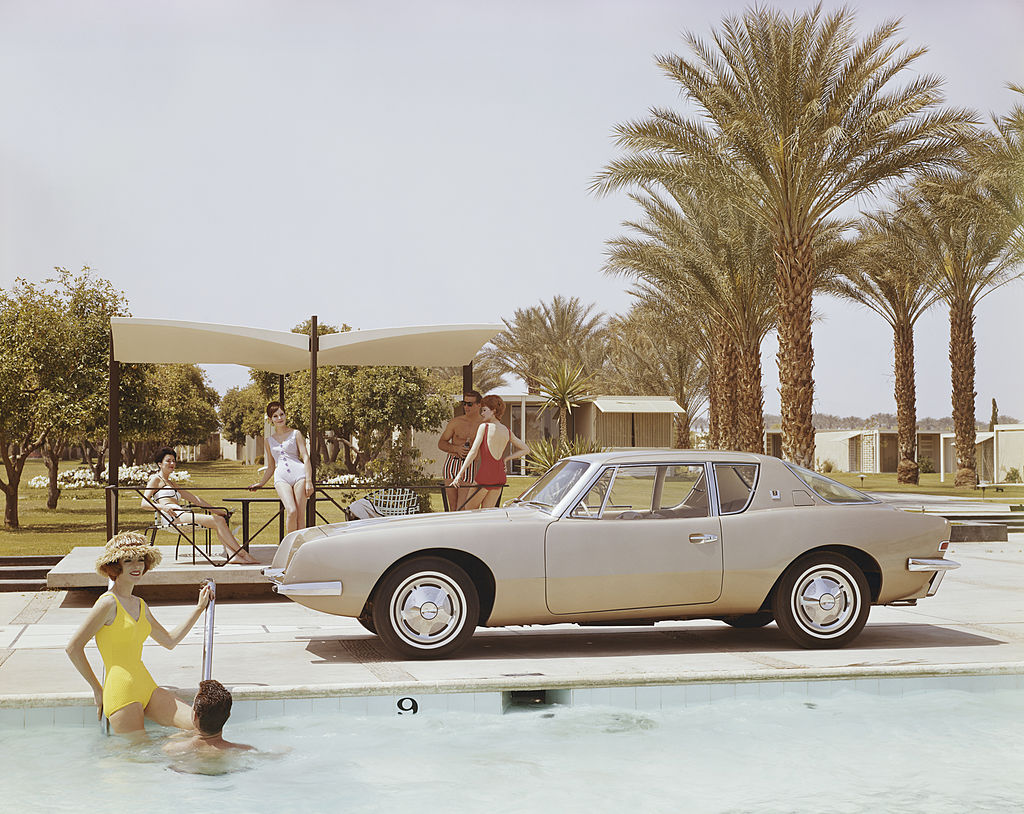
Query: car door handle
700, 539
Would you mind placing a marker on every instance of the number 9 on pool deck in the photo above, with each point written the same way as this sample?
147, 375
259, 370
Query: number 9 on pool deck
408, 706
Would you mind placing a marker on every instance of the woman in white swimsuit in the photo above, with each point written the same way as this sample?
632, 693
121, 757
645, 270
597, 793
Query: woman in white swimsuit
167, 499
288, 464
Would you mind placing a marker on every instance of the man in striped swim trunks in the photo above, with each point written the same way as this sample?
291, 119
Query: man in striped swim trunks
456, 440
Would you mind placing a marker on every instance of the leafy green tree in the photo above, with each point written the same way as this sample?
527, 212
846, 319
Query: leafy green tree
800, 118
371, 410
173, 404
242, 412
78, 410
32, 355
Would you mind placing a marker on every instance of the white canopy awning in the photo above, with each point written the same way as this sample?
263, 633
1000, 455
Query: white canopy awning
636, 404
177, 341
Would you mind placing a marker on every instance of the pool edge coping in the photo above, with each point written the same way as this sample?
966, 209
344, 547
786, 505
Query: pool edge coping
249, 692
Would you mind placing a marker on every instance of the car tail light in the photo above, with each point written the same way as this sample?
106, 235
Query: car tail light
943, 546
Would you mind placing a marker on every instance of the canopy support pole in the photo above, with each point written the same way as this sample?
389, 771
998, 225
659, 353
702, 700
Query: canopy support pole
313, 442
113, 438
467, 377
280, 388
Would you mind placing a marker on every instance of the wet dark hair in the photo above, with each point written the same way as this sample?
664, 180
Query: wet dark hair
212, 706
496, 403
474, 393
273, 407
163, 453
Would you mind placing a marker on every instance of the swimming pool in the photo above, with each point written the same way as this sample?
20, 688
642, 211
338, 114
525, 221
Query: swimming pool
936, 751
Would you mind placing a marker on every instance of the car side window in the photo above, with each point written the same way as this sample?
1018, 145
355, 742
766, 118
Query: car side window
593, 500
652, 493
682, 492
735, 486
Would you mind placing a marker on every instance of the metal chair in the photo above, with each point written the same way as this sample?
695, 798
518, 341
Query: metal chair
389, 503
188, 531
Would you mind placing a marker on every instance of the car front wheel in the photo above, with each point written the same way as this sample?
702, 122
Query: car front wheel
822, 601
426, 608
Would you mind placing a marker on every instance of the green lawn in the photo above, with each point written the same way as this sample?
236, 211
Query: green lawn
930, 485
79, 519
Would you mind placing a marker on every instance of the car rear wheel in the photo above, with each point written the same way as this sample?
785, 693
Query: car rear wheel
822, 601
750, 620
426, 608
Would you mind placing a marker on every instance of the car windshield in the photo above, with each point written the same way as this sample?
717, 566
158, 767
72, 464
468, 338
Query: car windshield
832, 491
555, 484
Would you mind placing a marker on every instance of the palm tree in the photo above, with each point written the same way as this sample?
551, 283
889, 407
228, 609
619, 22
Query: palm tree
543, 336
564, 387
801, 117
651, 350
705, 251
892, 279
968, 225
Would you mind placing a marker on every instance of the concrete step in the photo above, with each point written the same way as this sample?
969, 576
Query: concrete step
21, 585
32, 559
26, 573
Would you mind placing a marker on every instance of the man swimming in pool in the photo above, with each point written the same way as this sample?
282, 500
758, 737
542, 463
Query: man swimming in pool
210, 711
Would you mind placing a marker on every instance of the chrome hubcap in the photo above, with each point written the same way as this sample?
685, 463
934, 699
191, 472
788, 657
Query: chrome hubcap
428, 609
826, 601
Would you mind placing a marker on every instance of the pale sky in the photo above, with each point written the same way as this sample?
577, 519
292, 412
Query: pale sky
401, 162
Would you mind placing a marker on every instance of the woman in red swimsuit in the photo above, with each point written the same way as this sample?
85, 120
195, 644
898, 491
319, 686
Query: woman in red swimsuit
491, 439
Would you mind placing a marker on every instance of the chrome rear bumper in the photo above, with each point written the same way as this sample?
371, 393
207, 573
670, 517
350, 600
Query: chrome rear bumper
937, 565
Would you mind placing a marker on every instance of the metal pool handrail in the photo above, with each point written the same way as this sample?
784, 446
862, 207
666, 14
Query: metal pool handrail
208, 635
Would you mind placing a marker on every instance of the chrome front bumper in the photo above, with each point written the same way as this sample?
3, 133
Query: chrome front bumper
936, 565
305, 588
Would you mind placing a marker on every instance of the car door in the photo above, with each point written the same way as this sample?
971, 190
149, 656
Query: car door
643, 536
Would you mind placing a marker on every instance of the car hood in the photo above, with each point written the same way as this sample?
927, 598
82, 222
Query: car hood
474, 517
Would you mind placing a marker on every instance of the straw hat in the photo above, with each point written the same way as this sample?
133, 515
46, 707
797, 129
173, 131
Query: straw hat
128, 545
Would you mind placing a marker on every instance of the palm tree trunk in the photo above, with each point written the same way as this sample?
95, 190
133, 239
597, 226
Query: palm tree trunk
961, 361
682, 431
749, 398
728, 373
794, 275
906, 402
714, 397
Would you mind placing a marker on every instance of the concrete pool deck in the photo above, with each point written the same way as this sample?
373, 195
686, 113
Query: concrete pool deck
274, 648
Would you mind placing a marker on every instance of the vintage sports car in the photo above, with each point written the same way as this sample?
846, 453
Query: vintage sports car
626, 538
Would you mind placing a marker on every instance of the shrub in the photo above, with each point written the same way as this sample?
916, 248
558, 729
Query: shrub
83, 478
826, 466
545, 453
925, 465
1012, 475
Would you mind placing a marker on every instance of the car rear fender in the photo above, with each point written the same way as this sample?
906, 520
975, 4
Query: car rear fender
477, 570
866, 563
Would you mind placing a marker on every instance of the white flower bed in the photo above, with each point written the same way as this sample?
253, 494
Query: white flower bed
82, 477
344, 480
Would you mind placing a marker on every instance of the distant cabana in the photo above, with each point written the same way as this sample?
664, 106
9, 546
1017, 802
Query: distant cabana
169, 341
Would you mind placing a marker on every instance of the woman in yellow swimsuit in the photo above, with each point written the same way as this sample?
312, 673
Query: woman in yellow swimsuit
121, 623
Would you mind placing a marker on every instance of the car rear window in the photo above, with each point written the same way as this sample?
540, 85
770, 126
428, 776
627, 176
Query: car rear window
735, 486
830, 490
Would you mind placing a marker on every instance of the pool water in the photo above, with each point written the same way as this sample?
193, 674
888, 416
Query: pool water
938, 751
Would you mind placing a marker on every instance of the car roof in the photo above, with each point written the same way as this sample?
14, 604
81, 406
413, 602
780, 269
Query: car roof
671, 455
